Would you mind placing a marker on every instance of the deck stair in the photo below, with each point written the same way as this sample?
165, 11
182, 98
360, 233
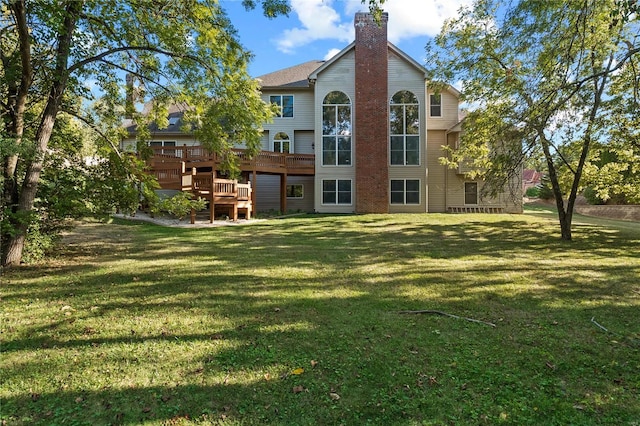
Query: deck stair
228, 194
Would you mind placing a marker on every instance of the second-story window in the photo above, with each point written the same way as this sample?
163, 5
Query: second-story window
285, 105
435, 105
282, 143
336, 129
404, 129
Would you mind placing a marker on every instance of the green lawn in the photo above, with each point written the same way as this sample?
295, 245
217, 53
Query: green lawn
295, 322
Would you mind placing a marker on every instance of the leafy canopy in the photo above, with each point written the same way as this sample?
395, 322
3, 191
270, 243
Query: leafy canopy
538, 77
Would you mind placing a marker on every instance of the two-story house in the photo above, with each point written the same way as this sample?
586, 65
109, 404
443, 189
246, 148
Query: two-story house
376, 130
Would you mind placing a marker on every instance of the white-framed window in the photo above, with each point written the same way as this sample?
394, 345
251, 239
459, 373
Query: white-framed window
336, 191
471, 192
282, 143
157, 144
405, 191
435, 105
404, 129
295, 191
285, 105
336, 130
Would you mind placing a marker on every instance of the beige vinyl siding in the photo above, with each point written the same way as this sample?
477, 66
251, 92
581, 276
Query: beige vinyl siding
267, 189
129, 144
404, 76
302, 114
437, 172
268, 193
303, 141
449, 111
455, 189
264, 141
306, 203
339, 76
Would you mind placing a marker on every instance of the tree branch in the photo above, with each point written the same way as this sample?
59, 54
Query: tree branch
95, 129
106, 53
427, 311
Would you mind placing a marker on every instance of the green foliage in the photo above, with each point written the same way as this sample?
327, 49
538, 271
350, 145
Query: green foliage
184, 53
545, 192
553, 78
180, 205
533, 192
592, 196
40, 242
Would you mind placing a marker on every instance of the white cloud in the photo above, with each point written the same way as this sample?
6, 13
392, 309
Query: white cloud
415, 18
331, 53
319, 21
322, 19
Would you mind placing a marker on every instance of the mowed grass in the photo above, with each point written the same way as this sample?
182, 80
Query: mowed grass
295, 321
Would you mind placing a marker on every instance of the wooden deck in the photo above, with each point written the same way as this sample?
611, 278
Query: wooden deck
166, 162
193, 168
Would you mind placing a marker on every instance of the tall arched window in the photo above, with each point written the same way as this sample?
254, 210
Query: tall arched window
336, 129
404, 129
282, 143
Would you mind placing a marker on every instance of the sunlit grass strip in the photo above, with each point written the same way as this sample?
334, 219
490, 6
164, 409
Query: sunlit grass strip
268, 323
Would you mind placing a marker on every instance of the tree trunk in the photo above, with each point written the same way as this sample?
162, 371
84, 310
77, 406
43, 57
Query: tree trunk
565, 216
14, 245
12, 254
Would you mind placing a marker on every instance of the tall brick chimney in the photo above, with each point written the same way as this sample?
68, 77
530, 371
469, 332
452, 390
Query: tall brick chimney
371, 114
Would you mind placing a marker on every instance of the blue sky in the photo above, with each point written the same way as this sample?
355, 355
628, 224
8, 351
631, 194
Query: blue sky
317, 29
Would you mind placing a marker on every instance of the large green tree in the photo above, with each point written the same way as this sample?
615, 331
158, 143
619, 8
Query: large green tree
181, 51
175, 52
538, 76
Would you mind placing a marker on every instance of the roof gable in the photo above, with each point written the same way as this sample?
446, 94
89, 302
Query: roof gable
293, 77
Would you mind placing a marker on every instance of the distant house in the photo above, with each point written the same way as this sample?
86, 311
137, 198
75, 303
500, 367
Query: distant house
530, 179
373, 129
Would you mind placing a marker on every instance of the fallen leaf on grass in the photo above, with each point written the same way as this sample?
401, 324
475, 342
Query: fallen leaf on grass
298, 389
334, 396
314, 362
298, 371
267, 376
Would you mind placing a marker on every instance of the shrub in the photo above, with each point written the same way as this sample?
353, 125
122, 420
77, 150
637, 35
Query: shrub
181, 204
545, 192
533, 192
591, 195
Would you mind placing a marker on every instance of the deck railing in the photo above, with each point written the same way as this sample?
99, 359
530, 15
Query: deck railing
263, 161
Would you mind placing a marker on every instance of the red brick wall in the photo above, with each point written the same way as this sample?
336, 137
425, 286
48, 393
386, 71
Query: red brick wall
371, 115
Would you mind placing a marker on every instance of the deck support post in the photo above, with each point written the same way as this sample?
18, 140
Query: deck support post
254, 184
283, 193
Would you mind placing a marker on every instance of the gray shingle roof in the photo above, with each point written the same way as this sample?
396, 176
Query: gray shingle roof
296, 76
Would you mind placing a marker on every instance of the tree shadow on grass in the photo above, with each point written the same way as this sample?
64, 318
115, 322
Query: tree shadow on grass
235, 332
